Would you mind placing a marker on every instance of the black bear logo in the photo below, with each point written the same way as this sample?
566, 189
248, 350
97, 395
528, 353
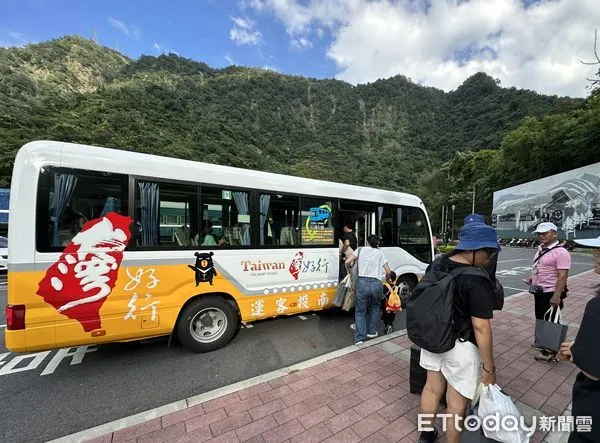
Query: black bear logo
204, 267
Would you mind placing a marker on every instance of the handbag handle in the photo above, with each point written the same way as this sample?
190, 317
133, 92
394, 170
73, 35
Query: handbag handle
557, 315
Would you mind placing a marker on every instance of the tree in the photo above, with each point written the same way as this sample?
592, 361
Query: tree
594, 82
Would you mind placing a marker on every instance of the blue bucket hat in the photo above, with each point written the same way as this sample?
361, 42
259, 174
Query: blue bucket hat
474, 218
477, 235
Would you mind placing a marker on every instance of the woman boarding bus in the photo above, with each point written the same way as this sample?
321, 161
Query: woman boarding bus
109, 245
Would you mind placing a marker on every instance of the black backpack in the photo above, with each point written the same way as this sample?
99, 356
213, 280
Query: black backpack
430, 308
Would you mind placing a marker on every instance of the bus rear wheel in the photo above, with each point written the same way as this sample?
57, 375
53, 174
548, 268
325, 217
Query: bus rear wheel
207, 324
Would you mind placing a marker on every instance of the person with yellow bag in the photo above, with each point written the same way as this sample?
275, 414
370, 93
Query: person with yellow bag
390, 303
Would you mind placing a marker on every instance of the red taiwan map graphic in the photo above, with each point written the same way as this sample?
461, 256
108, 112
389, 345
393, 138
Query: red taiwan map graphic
85, 274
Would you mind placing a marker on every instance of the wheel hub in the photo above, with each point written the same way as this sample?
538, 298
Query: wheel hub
208, 325
207, 321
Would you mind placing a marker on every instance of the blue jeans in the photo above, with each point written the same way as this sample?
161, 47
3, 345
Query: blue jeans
367, 303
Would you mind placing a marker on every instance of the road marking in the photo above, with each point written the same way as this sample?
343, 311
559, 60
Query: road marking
302, 317
3, 283
249, 326
2, 326
514, 259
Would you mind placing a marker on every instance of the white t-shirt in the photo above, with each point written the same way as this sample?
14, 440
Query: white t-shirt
370, 262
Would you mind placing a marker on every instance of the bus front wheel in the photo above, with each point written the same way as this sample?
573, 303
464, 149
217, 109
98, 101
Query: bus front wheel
405, 286
207, 323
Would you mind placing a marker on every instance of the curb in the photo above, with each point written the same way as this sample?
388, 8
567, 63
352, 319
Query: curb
132, 420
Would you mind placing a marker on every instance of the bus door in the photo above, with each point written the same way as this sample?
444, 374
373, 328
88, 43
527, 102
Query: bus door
365, 226
362, 216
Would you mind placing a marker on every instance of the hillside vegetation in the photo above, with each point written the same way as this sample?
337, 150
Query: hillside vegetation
391, 134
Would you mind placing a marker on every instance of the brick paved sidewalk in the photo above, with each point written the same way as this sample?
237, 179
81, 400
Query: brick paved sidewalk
364, 395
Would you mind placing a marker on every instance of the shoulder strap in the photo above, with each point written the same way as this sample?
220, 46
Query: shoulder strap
540, 255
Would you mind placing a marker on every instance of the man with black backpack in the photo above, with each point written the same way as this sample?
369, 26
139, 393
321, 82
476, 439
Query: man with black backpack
448, 317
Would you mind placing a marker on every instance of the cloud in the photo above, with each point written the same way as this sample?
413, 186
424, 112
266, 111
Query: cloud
528, 44
163, 49
301, 43
271, 68
133, 32
243, 22
229, 59
18, 37
14, 39
257, 5
243, 32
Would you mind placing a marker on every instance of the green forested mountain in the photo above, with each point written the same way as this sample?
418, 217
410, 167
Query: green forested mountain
390, 133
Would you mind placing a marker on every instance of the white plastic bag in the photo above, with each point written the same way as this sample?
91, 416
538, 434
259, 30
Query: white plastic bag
494, 402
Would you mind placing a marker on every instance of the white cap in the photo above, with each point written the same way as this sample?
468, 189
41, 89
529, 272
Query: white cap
545, 227
592, 242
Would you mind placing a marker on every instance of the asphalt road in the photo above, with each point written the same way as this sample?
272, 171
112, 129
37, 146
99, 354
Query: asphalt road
45, 397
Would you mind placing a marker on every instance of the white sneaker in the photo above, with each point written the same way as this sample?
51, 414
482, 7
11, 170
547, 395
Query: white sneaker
359, 343
372, 335
353, 327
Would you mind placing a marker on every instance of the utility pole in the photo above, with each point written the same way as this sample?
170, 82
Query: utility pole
94, 36
473, 207
453, 208
443, 208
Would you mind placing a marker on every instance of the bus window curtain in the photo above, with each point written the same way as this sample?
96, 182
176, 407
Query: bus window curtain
64, 186
265, 200
149, 205
241, 202
110, 205
193, 218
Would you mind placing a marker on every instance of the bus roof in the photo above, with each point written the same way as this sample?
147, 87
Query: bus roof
70, 155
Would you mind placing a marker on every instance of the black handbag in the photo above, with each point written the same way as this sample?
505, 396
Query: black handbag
549, 333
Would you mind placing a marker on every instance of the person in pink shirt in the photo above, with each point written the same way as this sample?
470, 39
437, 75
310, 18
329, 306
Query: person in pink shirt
549, 273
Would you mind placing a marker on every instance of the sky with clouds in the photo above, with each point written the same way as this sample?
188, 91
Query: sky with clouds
532, 44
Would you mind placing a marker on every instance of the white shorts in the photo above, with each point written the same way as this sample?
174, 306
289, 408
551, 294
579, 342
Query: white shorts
460, 366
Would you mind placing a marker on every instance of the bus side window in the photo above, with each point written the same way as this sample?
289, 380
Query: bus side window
226, 218
279, 220
166, 215
67, 199
385, 216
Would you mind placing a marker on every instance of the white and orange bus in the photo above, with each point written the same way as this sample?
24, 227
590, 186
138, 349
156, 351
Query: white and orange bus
109, 245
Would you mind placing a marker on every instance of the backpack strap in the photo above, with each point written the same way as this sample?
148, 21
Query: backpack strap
391, 288
465, 334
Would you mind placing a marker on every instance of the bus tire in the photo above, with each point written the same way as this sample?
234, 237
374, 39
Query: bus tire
406, 284
206, 324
